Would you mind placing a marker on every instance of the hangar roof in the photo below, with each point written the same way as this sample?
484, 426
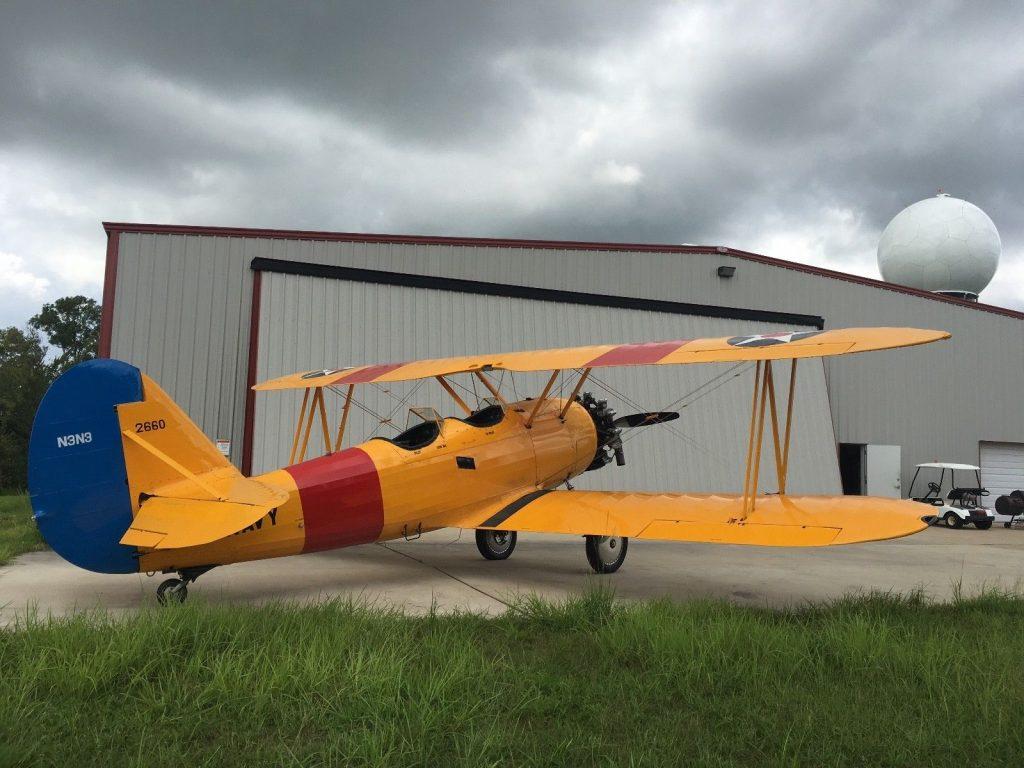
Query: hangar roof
562, 245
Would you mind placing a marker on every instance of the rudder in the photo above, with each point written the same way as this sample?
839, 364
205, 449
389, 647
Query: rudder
77, 479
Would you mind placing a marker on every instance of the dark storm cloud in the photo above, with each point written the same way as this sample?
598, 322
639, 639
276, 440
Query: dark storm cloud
424, 72
791, 128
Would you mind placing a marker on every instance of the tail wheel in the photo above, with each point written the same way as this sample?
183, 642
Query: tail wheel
171, 591
952, 520
606, 554
496, 545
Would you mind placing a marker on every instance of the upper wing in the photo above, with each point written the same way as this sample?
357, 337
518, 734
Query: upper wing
776, 346
783, 521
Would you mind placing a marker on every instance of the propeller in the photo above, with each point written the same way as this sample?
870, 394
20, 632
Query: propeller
609, 429
643, 419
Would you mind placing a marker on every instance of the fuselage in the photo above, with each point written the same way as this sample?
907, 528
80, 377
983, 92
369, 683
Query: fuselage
378, 490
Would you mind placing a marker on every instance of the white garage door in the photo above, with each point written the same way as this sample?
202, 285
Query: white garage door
1002, 469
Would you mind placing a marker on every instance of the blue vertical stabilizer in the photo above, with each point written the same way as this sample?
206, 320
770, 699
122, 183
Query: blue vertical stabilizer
76, 470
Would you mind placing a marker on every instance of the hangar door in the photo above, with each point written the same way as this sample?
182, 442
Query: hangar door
1002, 469
312, 322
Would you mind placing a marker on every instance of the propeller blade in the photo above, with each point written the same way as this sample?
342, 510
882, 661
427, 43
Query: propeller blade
643, 419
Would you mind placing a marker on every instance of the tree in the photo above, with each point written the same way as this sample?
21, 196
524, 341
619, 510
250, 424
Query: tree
72, 324
24, 377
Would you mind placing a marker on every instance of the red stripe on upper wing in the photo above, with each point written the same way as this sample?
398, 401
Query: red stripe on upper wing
368, 374
636, 354
341, 500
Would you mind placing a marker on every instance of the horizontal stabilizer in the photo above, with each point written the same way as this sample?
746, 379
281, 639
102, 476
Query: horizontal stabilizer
782, 521
168, 523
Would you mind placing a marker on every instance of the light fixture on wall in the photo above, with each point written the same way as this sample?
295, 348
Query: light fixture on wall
726, 271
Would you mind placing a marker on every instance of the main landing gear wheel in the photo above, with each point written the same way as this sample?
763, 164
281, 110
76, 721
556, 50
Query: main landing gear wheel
171, 591
606, 554
952, 520
496, 545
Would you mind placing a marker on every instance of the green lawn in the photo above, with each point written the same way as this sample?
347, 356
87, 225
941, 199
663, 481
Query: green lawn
18, 533
875, 681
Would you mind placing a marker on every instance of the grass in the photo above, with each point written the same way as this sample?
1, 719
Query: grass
873, 681
18, 532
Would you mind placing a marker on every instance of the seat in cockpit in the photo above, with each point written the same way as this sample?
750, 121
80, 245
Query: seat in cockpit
420, 434
486, 417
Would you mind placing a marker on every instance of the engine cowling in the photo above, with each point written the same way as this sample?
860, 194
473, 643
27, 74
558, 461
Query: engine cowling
609, 436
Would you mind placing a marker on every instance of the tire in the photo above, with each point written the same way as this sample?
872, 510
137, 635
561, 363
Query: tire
172, 591
983, 526
496, 545
1006, 525
606, 554
952, 520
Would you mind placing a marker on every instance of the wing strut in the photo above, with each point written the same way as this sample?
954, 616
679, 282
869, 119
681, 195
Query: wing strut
575, 391
491, 388
789, 423
344, 417
298, 428
298, 454
540, 400
458, 400
764, 399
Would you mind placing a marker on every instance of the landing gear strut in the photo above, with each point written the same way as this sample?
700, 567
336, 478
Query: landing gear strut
606, 554
175, 591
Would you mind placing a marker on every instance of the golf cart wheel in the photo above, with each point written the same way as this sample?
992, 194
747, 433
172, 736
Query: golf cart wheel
606, 554
983, 526
496, 545
952, 520
171, 591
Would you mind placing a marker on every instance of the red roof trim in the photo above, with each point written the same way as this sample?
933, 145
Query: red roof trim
561, 245
109, 289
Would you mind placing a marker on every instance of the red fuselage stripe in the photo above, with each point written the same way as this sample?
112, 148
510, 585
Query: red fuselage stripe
341, 500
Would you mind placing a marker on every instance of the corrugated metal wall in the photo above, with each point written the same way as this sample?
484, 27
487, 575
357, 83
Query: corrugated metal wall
181, 314
186, 297
308, 323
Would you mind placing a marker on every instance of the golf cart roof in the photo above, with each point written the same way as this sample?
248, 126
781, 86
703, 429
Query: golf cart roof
949, 465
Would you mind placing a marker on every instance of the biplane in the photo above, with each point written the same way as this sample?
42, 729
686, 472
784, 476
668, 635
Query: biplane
122, 481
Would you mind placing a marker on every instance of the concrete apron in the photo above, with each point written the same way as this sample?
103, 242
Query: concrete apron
444, 569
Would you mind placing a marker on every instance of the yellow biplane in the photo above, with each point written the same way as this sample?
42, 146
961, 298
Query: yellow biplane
122, 481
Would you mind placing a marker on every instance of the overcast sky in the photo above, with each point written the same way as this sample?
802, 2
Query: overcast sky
793, 129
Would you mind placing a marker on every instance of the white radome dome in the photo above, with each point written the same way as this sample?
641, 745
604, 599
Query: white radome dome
942, 244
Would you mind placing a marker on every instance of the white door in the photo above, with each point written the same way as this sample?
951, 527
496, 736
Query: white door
1002, 470
882, 471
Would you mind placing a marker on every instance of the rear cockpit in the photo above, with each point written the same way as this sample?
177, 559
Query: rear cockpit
422, 427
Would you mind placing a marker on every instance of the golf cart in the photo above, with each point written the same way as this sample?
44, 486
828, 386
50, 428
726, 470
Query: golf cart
961, 505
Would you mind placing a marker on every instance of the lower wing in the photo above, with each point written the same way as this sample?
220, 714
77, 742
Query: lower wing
781, 521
